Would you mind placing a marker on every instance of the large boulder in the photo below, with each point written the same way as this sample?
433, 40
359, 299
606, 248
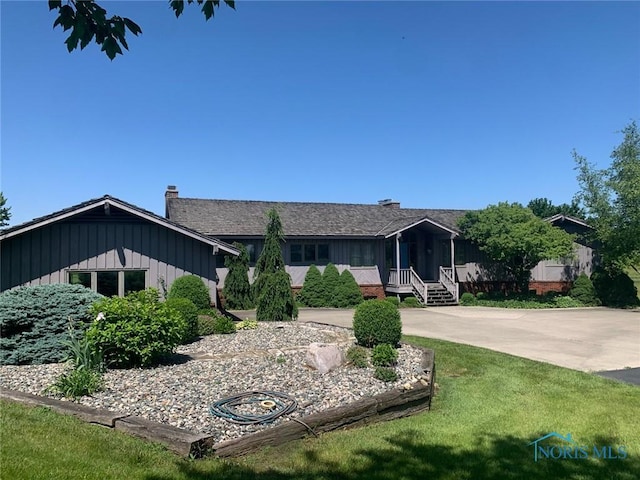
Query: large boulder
324, 357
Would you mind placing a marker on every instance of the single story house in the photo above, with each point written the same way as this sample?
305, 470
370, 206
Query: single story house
115, 247
110, 246
388, 249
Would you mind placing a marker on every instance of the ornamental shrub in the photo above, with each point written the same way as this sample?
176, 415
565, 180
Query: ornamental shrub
189, 313
275, 301
385, 374
375, 322
136, 330
247, 324
393, 300
614, 288
410, 302
584, 291
358, 356
237, 289
330, 282
34, 321
468, 299
193, 288
313, 292
384, 355
348, 293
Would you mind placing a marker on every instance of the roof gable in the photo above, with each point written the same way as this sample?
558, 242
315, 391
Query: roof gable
120, 209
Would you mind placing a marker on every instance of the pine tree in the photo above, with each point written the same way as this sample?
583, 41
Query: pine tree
272, 284
237, 289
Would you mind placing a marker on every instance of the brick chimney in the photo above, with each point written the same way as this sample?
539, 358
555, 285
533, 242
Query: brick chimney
172, 192
387, 202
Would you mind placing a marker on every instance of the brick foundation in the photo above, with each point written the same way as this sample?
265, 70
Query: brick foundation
540, 287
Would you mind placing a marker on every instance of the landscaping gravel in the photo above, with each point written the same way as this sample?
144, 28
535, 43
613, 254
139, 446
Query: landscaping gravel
271, 357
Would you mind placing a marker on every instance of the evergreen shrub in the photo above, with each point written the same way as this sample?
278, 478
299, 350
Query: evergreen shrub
358, 356
34, 321
347, 293
136, 330
375, 322
411, 302
330, 282
275, 300
393, 300
468, 299
584, 291
192, 288
614, 288
385, 374
384, 355
313, 292
189, 313
237, 291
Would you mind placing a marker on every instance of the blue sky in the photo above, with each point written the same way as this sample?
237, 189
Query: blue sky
437, 105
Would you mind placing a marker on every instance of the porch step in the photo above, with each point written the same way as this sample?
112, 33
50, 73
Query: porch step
439, 295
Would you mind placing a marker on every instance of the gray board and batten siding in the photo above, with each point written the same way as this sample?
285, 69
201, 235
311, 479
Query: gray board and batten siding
106, 235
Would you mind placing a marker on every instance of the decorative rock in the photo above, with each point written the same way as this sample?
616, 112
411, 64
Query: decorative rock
324, 357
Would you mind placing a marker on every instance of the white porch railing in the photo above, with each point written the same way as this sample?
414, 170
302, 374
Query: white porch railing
418, 285
447, 279
401, 277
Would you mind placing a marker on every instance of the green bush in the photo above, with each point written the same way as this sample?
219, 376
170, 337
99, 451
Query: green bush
384, 355
215, 322
34, 320
247, 324
136, 330
193, 288
77, 383
386, 374
410, 302
275, 300
562, 301
330, 282
377, 321
358, 356
189, 313
237, 290
312, 293
614, 288
468, 299
584, 291
347, 294
393, 301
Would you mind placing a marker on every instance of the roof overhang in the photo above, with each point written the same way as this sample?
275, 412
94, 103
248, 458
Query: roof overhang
422, 221
566, 218
107, 202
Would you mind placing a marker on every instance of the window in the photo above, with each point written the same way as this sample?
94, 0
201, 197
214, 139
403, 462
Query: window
362, 254
309, 253
110, 282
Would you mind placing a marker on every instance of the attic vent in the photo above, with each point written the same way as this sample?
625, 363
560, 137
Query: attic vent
387, 202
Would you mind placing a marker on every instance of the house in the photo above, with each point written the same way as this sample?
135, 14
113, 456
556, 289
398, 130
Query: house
388, 249
110, 246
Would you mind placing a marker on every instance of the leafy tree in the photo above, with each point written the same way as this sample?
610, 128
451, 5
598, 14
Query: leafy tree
5, 213
237, 289
272, 284
544, 208
514, 237
611, 198
88, 22
313, 293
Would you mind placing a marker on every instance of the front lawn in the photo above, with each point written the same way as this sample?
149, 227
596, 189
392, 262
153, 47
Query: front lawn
489, 407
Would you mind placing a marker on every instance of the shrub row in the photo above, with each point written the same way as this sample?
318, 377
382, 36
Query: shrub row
329, 289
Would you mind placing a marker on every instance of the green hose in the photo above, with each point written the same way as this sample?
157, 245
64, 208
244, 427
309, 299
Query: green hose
281, 404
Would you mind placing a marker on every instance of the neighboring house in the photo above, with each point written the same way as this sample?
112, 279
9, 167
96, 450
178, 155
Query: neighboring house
369, 240
110, 246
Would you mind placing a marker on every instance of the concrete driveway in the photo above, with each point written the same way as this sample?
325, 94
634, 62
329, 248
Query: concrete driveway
587, 339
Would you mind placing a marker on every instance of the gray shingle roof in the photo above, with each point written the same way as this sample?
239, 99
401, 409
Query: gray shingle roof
301, 219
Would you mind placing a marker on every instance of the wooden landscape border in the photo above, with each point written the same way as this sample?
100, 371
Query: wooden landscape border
396, 403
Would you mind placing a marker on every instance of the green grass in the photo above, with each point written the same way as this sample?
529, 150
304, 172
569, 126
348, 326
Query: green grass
489, 406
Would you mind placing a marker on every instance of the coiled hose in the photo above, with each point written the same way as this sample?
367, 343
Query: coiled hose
276, 403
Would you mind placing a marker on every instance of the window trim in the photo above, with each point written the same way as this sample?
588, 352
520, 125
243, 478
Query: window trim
303, 246
120, 271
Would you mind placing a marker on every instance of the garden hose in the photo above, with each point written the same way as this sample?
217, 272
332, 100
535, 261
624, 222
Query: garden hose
276, 403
